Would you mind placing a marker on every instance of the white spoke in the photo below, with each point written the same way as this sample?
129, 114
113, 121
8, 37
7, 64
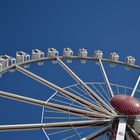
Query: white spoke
53, 111
61, 131
71, 110
60, 125
69, 137
46, 134
42, 114
106, 78
62, 118
67, 102
97, 134
105, 92
101, 94
118, 90
57, 88
81, 94
59, 101
125, 90
85, 87
135, 88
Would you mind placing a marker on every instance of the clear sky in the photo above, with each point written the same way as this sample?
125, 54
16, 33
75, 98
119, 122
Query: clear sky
111, 26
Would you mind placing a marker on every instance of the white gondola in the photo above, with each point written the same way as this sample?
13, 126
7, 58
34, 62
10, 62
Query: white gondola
114, 57
130, 60
98, 54
53, 53
4, 60
7, 61
22, 57
37, 54
67, 52
12, 61
82, 53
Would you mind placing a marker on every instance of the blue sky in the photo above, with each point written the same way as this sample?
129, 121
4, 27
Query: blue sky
111, 26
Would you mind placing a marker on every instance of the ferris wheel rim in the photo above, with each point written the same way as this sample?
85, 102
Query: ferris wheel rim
134, 66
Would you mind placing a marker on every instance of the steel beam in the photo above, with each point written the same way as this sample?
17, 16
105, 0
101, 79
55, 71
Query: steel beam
70, 95
84, 86
67, 109
135, 88
54, 125
106, 78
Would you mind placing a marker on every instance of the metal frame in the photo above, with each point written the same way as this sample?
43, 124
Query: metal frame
102, 111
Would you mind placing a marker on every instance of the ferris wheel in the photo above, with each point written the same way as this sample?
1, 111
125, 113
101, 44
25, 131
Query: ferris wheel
83, 110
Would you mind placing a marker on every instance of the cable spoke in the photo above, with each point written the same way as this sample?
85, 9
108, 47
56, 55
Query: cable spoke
81, 94
101, 95
58, 125
106, 78
66, 103
61, 118
69, 137
60, 131
105, 91
71, 110
57, 88
84, 86
118, 92
135, 88
45, 134
97, 134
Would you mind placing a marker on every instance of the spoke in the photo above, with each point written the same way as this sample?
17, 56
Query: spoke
67, 103
57, 88
133, 132
118, 92
67, 100
135, 88
97, 134
81, 95
125, 90
60, 131
60, 125
61, 118
106, 78
84, 86
69, 137
45, 134
101, 95
71, 110
105, 92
